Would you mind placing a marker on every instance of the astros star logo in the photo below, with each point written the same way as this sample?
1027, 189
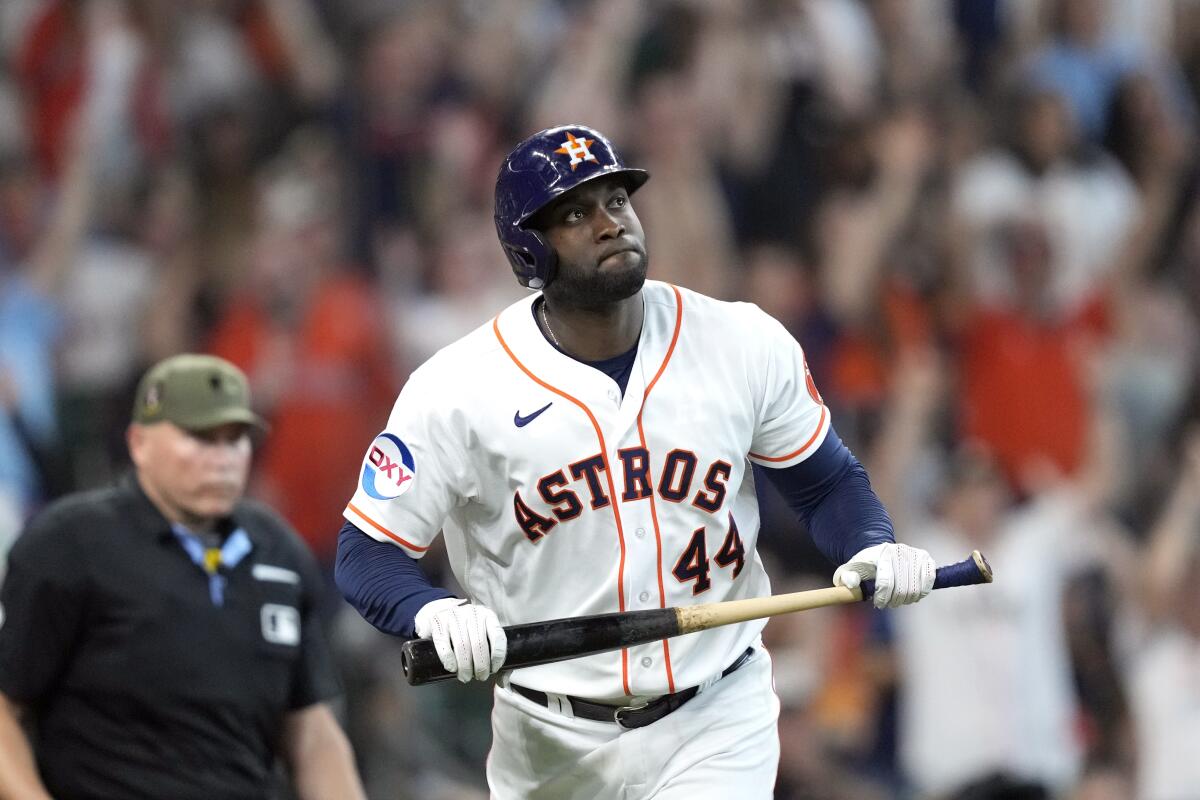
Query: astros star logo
577, 149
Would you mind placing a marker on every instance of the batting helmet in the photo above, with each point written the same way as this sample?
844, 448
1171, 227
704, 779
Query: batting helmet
541, 168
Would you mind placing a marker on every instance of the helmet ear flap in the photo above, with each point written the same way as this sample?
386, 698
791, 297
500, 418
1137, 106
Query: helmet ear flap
533, 260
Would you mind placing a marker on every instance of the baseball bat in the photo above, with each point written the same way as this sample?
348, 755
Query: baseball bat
533, 643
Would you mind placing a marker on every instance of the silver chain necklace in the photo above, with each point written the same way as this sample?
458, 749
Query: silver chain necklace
549, 330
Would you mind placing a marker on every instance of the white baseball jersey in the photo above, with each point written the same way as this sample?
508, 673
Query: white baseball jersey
558, 497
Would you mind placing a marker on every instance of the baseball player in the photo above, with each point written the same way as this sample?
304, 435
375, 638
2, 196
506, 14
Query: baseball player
588, 451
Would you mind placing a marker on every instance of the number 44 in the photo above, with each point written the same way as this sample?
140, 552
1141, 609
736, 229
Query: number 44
693, 562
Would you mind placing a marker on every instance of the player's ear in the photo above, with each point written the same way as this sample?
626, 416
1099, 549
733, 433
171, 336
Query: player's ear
137, 440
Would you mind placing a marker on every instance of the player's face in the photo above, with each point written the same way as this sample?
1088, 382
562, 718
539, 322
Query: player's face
194, 477
599, 242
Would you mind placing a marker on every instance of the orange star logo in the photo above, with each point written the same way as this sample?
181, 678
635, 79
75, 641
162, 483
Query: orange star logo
577, 149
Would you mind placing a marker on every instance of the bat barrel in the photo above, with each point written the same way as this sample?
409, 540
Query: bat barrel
533, 643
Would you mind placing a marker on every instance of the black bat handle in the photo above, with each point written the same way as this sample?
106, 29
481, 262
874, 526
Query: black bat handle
969, 572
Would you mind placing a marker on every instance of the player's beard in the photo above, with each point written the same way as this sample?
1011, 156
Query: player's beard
594, 289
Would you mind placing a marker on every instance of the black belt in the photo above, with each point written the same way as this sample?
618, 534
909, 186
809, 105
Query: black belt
628, 716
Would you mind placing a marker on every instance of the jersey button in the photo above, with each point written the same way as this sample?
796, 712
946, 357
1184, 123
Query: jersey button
644, 596
647, 661
612, 395
640, 532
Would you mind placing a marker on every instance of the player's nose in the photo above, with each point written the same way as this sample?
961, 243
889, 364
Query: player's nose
608, 226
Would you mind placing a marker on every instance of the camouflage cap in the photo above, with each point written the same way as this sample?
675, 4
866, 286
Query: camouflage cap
196, 392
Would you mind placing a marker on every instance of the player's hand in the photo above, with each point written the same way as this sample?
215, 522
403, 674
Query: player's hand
902, 574
469, 639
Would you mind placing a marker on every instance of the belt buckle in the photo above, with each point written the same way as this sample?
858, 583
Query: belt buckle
623, 709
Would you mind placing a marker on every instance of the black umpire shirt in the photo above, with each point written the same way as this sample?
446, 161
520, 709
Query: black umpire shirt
140, 684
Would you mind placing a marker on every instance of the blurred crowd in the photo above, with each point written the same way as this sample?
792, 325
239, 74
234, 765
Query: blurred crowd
979, 217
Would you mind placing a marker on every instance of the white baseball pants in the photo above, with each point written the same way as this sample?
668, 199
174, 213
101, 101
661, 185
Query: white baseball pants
723, 743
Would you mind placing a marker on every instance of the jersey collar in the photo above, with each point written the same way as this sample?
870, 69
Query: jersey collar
520, 333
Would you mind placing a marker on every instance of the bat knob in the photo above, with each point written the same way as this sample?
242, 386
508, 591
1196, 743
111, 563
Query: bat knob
420, 663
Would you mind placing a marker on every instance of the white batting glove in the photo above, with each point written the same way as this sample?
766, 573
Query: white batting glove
469, 639
902, 574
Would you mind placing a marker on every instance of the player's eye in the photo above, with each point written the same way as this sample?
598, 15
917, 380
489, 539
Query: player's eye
619, 201
573, 215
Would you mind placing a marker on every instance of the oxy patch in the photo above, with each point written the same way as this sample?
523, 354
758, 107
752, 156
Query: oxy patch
389, 469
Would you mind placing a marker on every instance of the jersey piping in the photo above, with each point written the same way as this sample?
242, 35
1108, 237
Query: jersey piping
385, 531
607, 474
662, 593
803, 447
609, 477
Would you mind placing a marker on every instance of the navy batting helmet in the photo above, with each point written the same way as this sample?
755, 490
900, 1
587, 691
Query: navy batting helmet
544, 166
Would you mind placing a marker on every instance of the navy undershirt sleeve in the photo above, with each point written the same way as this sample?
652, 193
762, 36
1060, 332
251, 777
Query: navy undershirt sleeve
831, 495
382, 582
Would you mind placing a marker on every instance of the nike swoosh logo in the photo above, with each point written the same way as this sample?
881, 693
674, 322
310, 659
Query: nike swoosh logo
521, 422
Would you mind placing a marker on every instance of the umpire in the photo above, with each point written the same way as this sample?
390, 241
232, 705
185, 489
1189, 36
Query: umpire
162, 636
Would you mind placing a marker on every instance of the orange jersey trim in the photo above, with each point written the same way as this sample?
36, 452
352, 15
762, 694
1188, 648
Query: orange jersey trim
803, 447
662, 594
385, 531
612, 491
